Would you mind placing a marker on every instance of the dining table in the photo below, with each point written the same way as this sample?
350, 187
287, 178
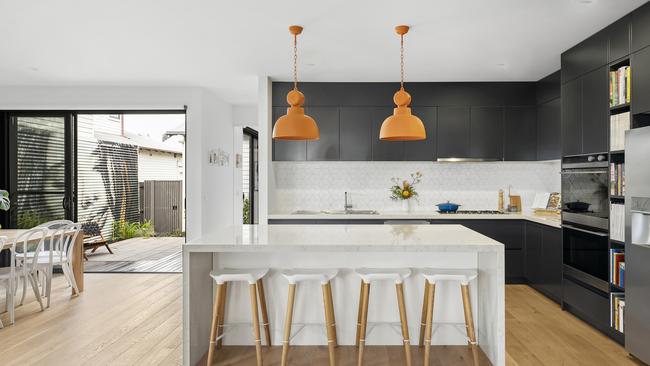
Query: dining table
77, 255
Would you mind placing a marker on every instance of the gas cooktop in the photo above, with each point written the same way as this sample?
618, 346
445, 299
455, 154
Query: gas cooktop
474, 212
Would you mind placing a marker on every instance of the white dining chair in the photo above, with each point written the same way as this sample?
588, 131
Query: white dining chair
59, 253
50, 225
24, 268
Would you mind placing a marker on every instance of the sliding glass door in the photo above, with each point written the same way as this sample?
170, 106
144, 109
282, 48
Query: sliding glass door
41, 167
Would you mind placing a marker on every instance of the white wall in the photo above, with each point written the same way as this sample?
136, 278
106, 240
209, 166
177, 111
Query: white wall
207, 119
245, 115
218, 189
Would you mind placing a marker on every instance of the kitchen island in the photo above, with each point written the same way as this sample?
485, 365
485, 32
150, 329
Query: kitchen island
345, 247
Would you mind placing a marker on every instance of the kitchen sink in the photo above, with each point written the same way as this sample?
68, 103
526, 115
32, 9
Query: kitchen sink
336, 212
351, 212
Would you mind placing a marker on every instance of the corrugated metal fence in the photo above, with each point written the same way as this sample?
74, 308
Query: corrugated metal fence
107, 176
161, 201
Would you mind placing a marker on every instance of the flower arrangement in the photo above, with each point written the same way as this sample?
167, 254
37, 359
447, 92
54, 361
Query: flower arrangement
404, 189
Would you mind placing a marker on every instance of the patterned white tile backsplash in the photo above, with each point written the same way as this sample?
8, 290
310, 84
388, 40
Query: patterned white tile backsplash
321, 185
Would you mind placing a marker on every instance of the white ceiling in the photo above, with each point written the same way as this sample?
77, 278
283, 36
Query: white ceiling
224, 45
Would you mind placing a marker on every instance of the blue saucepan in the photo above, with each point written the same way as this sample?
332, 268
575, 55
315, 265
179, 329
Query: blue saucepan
447, 207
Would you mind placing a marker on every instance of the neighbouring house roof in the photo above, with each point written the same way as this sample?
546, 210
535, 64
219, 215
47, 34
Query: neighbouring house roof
178, 131
143, 142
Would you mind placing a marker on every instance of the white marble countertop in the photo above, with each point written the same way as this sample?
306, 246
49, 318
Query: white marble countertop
338, 238
553, 221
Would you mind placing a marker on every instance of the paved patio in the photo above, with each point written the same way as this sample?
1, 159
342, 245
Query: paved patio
146, 255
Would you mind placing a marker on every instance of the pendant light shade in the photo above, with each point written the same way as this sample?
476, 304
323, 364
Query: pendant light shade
402, 125
295, 125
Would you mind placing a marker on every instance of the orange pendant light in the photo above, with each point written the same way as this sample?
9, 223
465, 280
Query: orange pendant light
402, 125
295, 125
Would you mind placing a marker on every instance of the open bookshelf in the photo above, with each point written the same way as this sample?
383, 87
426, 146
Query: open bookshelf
620, 121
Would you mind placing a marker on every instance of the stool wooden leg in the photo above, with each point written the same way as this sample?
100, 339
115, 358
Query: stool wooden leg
287, 324
265, 315
404, 322
328, 323
423, 318
427, 330
256, 323
333, 318
364, 321
215, 323
469, 319
359, 314
222, 314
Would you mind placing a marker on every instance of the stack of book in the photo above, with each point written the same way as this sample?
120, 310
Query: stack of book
617, 179
617, 222
617, 311
617, 264
619, 86
618, 124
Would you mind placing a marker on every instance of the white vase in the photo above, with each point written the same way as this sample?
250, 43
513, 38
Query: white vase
408, 205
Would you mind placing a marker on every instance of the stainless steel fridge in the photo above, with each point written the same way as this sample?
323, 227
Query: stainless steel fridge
637, 243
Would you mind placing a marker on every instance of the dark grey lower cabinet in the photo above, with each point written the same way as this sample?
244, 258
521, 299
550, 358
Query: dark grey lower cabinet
543, 259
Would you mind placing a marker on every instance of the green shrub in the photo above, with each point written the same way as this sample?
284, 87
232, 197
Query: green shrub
247, 211
123, 230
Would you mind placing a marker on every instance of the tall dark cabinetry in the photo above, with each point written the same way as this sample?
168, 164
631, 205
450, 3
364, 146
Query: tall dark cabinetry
640, 64
572, 117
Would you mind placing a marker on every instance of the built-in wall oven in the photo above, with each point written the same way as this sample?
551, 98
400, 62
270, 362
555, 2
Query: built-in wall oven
585, 219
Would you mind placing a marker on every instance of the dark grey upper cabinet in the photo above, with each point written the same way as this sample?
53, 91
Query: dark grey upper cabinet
486, 133
548, 88
453, 132
572, 117
641, 27
586, 56
549, 130
619, 39
520, 134
327, 147
287, 150
356, 133
384, 150
595, 111
423, 150
640, 64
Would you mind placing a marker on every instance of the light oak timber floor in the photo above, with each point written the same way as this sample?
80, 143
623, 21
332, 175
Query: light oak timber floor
135, 319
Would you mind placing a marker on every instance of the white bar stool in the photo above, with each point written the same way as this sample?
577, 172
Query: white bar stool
368, 275
256, 287
324, 276
432, 276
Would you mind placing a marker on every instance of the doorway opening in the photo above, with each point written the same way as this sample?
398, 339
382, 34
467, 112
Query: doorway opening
250, 171
121, 174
